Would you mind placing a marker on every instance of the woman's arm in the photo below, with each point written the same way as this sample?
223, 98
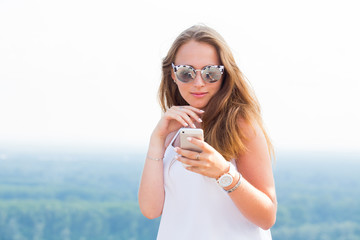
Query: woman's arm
151, 190
255, 197
151, 193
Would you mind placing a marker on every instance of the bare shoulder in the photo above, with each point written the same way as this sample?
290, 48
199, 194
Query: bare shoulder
255, 141
255, 163
250, 130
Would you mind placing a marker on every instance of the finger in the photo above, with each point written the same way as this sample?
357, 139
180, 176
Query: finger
187, 118
198, 142
187, 153
189, 162
178, 118
194, 109
194, 169
184, 115
191, 111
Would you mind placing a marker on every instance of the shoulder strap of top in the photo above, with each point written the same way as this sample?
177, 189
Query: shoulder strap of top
172, 141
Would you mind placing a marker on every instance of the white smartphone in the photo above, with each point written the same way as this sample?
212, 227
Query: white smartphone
190, 132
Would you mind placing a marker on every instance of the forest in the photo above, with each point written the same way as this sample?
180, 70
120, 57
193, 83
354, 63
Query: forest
92, 195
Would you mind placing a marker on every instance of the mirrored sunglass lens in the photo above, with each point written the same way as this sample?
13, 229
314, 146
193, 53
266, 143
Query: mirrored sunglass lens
185, 74
211, 74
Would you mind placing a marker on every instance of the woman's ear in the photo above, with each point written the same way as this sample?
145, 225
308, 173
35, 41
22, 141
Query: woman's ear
173, 76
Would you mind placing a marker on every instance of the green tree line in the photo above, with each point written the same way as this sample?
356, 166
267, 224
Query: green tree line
94, 197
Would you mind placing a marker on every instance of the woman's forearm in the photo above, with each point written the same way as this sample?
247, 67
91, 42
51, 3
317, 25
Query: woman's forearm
255, 205
151, 191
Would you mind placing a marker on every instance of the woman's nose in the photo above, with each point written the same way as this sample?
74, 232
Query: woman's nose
198, 81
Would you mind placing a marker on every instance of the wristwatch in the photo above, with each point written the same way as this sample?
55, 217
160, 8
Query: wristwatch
227, 178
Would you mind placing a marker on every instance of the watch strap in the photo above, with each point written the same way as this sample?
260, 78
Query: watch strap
236, 186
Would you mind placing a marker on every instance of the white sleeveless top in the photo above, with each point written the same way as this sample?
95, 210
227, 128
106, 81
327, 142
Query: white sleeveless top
196, 207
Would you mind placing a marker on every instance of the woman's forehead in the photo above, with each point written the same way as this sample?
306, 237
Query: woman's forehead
197, 54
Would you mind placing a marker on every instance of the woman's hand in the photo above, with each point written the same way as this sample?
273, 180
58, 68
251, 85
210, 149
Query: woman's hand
209, 162
177, 117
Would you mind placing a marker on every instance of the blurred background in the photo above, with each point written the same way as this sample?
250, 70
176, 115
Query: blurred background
78, 88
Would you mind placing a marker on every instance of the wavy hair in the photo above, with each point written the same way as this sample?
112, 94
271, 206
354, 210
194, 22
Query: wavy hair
235, 100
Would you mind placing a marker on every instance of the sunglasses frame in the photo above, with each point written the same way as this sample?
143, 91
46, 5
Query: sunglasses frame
176, 68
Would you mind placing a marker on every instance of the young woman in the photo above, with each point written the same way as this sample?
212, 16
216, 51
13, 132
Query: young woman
227, 191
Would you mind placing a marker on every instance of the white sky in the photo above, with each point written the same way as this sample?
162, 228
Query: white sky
86, 73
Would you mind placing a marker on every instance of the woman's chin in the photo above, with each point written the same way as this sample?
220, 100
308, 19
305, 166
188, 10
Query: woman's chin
198, 104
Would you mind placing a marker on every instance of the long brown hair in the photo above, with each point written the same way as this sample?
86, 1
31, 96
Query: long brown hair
235, 100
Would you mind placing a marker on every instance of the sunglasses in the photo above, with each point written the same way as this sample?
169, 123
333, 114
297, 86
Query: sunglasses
186, 73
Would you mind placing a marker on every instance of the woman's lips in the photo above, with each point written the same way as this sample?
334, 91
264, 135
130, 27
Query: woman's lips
198, 94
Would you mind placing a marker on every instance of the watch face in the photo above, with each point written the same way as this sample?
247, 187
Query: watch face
225, 180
